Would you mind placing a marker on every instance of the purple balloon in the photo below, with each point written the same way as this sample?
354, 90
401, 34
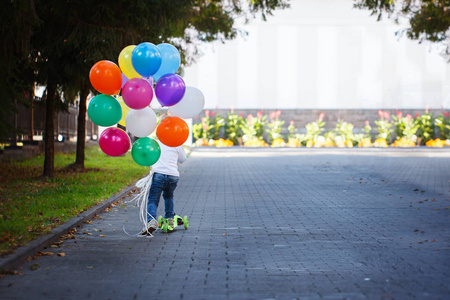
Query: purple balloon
137, 93
169, 89
124, 79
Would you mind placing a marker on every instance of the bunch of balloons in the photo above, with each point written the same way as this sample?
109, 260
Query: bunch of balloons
144, 71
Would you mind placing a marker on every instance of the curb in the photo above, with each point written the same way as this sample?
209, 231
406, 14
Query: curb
17, 258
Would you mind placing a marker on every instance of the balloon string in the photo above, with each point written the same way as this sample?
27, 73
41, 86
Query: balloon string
141, 199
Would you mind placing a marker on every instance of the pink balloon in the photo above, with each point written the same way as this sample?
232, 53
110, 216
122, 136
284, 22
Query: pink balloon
137, 93
114, 141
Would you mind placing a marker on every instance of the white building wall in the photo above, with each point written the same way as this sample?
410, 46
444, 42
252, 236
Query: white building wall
321, 54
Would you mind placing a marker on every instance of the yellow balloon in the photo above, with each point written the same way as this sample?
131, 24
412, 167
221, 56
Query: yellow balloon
125, 62
125, 110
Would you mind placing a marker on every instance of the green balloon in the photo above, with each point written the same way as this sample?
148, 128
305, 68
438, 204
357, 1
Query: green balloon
104, 110
145, 151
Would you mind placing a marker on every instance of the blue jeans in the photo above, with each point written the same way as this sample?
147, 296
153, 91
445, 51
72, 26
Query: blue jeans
166, 185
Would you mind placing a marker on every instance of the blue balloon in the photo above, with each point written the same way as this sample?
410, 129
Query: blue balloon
170, 60
146, 59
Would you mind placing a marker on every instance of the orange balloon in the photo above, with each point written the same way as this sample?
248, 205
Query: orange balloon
106, 78
172, 131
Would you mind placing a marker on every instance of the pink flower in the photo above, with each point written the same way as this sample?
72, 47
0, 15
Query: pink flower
278, 113
380, 113
292, 123
207, 113
205, 127
250, 117
259, 114
417, 115
213, 114
321, 116
386, 115
232, 108
367, 123
446, 114
409, 117
273, 115
399, 114
242, 115
426, 109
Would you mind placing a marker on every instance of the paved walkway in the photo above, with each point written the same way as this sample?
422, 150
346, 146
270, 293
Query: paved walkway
270, 224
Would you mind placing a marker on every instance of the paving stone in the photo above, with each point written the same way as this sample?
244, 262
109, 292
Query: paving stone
269, 224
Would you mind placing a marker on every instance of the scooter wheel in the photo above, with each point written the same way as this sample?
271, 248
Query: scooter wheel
165, 226
186, 222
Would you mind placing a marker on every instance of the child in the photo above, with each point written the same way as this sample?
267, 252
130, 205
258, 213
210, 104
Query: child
165, 179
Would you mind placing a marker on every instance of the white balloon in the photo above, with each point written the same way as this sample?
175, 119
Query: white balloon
190, 105
142, 122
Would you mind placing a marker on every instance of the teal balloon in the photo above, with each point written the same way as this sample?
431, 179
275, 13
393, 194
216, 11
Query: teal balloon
104, 110
145, 151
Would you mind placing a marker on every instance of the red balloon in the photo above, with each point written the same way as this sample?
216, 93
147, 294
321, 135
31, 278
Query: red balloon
105, 77
172, 131
114, 141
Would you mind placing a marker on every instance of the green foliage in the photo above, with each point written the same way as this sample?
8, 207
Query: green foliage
442, 122
405, 127
198, 131
217, 123
367, 130
254, 127
233, 127
384, 126
17, 20
429, 20
291, 130
314, 129
55, 43
210, 127
31, 207
426, 128
343, 131
275, 126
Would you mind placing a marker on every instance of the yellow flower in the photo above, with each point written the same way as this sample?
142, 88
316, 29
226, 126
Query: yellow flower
223, 143
349, 143
403, 142
278, 143
365, 143
435, 143
293, 143
255, 142
380, 143
329, 143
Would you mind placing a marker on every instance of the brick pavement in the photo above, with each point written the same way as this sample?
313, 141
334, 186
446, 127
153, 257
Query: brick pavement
270, 224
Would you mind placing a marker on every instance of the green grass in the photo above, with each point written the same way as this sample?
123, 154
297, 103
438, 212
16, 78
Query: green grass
31, 207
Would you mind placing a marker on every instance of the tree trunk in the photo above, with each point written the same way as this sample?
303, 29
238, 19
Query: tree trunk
81, 129
49, 135
32, 116
14, 138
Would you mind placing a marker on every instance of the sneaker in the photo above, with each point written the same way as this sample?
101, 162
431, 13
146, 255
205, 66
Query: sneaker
171, 227
151, 227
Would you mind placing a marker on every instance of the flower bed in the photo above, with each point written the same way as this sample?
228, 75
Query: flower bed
264, 131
